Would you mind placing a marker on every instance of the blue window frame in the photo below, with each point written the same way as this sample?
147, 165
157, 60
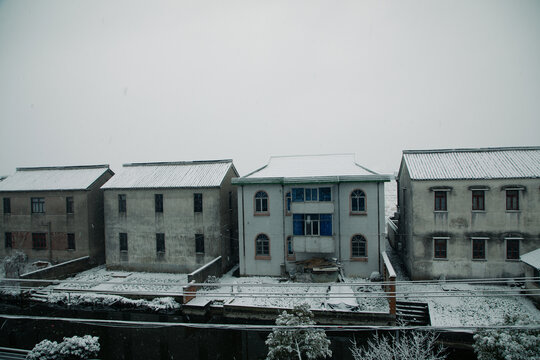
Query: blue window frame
298, 194
312, 224
325, 194
312, 194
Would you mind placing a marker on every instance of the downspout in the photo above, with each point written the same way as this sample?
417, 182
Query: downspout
339, 221
243, 231
379, 226
285, 249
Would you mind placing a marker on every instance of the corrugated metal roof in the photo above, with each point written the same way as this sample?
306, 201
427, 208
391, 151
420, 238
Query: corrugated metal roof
186, 174
53, 178
311, 166
532, 258
488, 163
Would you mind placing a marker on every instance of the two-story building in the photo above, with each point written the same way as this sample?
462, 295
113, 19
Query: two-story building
468, 213
301, 207
54, 213
171, 216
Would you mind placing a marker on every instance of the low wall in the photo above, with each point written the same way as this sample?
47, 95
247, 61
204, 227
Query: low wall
62, 270
392, 233
213, 268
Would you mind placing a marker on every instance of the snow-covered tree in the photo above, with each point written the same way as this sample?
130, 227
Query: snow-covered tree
508, 344
14, 264
413, 345
297, 343
73, 348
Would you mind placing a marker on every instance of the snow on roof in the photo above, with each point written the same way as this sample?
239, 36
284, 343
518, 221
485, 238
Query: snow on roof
53, 178
182, 174
310, 166
483, 163
532, 258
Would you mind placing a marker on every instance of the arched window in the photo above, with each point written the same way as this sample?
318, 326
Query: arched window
261, 202
358, 201
358, 246
262, 246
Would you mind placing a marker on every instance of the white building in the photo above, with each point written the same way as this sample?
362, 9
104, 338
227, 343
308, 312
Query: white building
468, 213
301, 207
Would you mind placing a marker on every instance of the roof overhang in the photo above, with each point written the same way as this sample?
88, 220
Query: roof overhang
313, 180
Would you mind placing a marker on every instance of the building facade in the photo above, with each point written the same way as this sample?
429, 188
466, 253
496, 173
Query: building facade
468, 213
171, 217
301, 207
54, 214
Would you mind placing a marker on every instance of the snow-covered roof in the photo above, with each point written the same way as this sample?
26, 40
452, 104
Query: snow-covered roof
335, 167
483, 163
532, 258
182, 174
53, 178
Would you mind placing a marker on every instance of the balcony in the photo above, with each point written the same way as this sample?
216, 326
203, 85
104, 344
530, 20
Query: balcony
323, 207
314, 244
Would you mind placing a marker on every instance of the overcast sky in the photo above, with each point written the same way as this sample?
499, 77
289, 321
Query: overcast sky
90, 82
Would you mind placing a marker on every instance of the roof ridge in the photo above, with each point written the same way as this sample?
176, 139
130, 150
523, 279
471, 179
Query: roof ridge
75, 167
166, 163
310, 155
486, 149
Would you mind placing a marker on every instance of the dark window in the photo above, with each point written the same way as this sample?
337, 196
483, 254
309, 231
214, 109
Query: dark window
9, 240
122, 205
298, 194
288, 199
478, 200
160, 243
358, 201
512, 199
325, 194
69, 205
261, 202
440, 248
312, 224
123, 242
230, 200
199, 243
38, 205
358, 246
290, 249
71, 241
7, 206
536, 274
512, 249
197, 203
158, 199
39, 241
478, 249
312, 194
262, 245
440, 200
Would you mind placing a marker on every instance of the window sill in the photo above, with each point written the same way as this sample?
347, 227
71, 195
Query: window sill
199, 253
479, 211
440, 211
358, 213
513, 211
479, 260
123, 251
512, 260
261, 257
360, 259
440, 259
70, 250
261, 214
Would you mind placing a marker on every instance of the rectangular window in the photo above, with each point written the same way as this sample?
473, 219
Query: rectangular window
230, 200
512, 249
440, 200
512, 199
123, 242
478, 197
439, 246
288, 200
8, 244
160, 243
536, 274
312, 224
158, 200
325, 194
312, 194
122, 204
298, 194
199, 243
69, 205
7, 206
197, 203
38, 205
479, 249
71, 241
290, 249
39, 241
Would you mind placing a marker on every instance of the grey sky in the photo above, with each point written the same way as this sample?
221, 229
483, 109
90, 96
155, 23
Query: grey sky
85, 82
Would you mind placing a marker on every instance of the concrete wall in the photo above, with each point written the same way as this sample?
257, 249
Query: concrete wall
62, 270
278, 225
419, 224
86, 223
178, 222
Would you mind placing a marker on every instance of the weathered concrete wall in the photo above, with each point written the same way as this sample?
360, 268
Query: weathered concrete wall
62, 270
178, 222
460, 223
213, 268
278, 226
229, 221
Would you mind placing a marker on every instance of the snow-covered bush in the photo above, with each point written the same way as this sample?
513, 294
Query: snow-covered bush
297, 343
414, 345
13, 264
72, 348
508, 344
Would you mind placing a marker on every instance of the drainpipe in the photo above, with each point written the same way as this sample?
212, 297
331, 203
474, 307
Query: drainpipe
285, 250
379, 225
243, 231
339, 221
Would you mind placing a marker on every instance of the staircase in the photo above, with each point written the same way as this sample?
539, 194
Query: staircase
412, 313
12, 354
